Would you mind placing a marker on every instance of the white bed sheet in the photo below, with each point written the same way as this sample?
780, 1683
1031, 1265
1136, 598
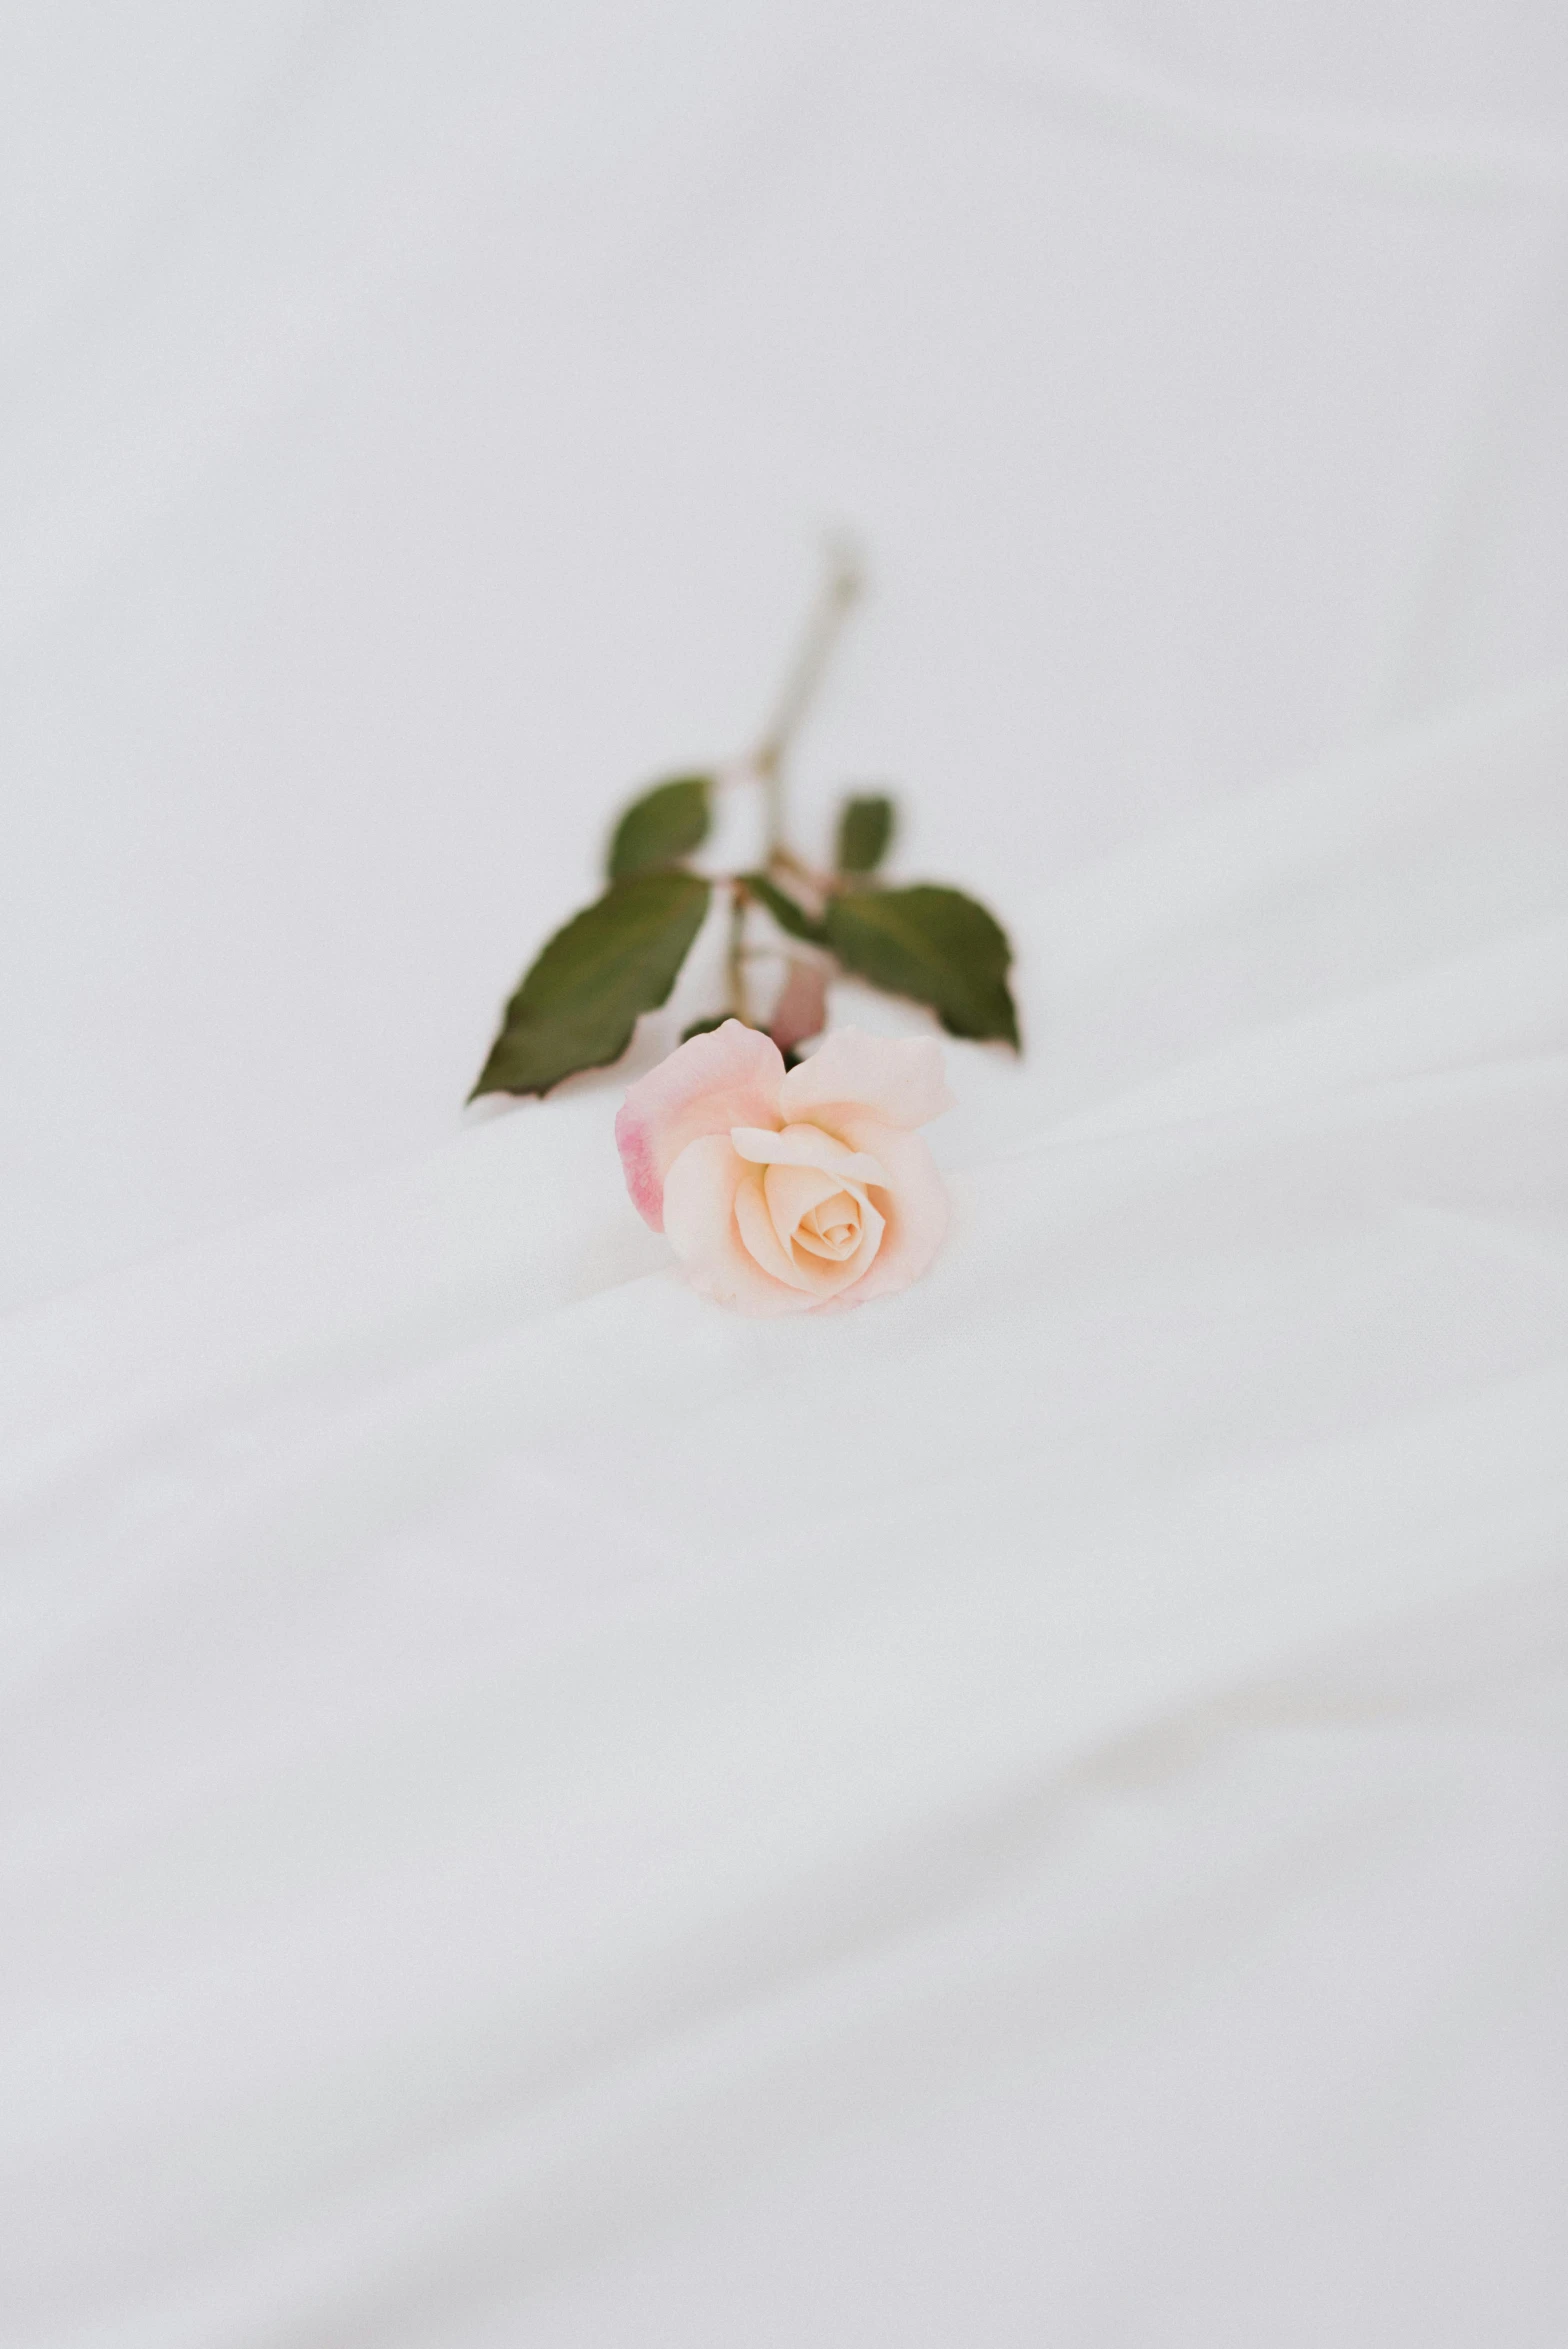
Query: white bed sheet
535, 1812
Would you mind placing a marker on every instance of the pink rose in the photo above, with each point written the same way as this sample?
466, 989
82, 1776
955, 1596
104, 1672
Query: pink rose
784, 1192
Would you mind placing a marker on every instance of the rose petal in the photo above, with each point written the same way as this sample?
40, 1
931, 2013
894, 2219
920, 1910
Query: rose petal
729, 1077
829, 1280
897, 1081
759, 1237
917, 1208
805, 1146
700, 1193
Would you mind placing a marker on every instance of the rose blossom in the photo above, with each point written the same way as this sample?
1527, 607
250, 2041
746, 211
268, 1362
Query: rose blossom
780, 1192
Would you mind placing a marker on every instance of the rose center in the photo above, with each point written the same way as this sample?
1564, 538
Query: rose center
831, 1229
801, 1206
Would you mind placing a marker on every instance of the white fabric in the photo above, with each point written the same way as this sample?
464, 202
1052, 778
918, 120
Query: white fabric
536, 1812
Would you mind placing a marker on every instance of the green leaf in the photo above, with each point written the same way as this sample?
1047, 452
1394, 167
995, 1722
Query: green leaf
790, 917
666, 824
934, 944
579, 1001
865, 829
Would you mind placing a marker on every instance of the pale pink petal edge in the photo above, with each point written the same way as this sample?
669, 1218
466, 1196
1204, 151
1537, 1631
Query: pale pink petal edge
728, 1077
899, 1081
918, 1213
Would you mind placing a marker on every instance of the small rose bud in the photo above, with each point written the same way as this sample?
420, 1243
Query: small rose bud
801, 1011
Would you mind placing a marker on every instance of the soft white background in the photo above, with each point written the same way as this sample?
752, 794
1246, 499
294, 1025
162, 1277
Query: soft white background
533, 1813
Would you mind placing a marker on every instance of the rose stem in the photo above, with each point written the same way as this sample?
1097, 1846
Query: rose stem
826, 617
735, 961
